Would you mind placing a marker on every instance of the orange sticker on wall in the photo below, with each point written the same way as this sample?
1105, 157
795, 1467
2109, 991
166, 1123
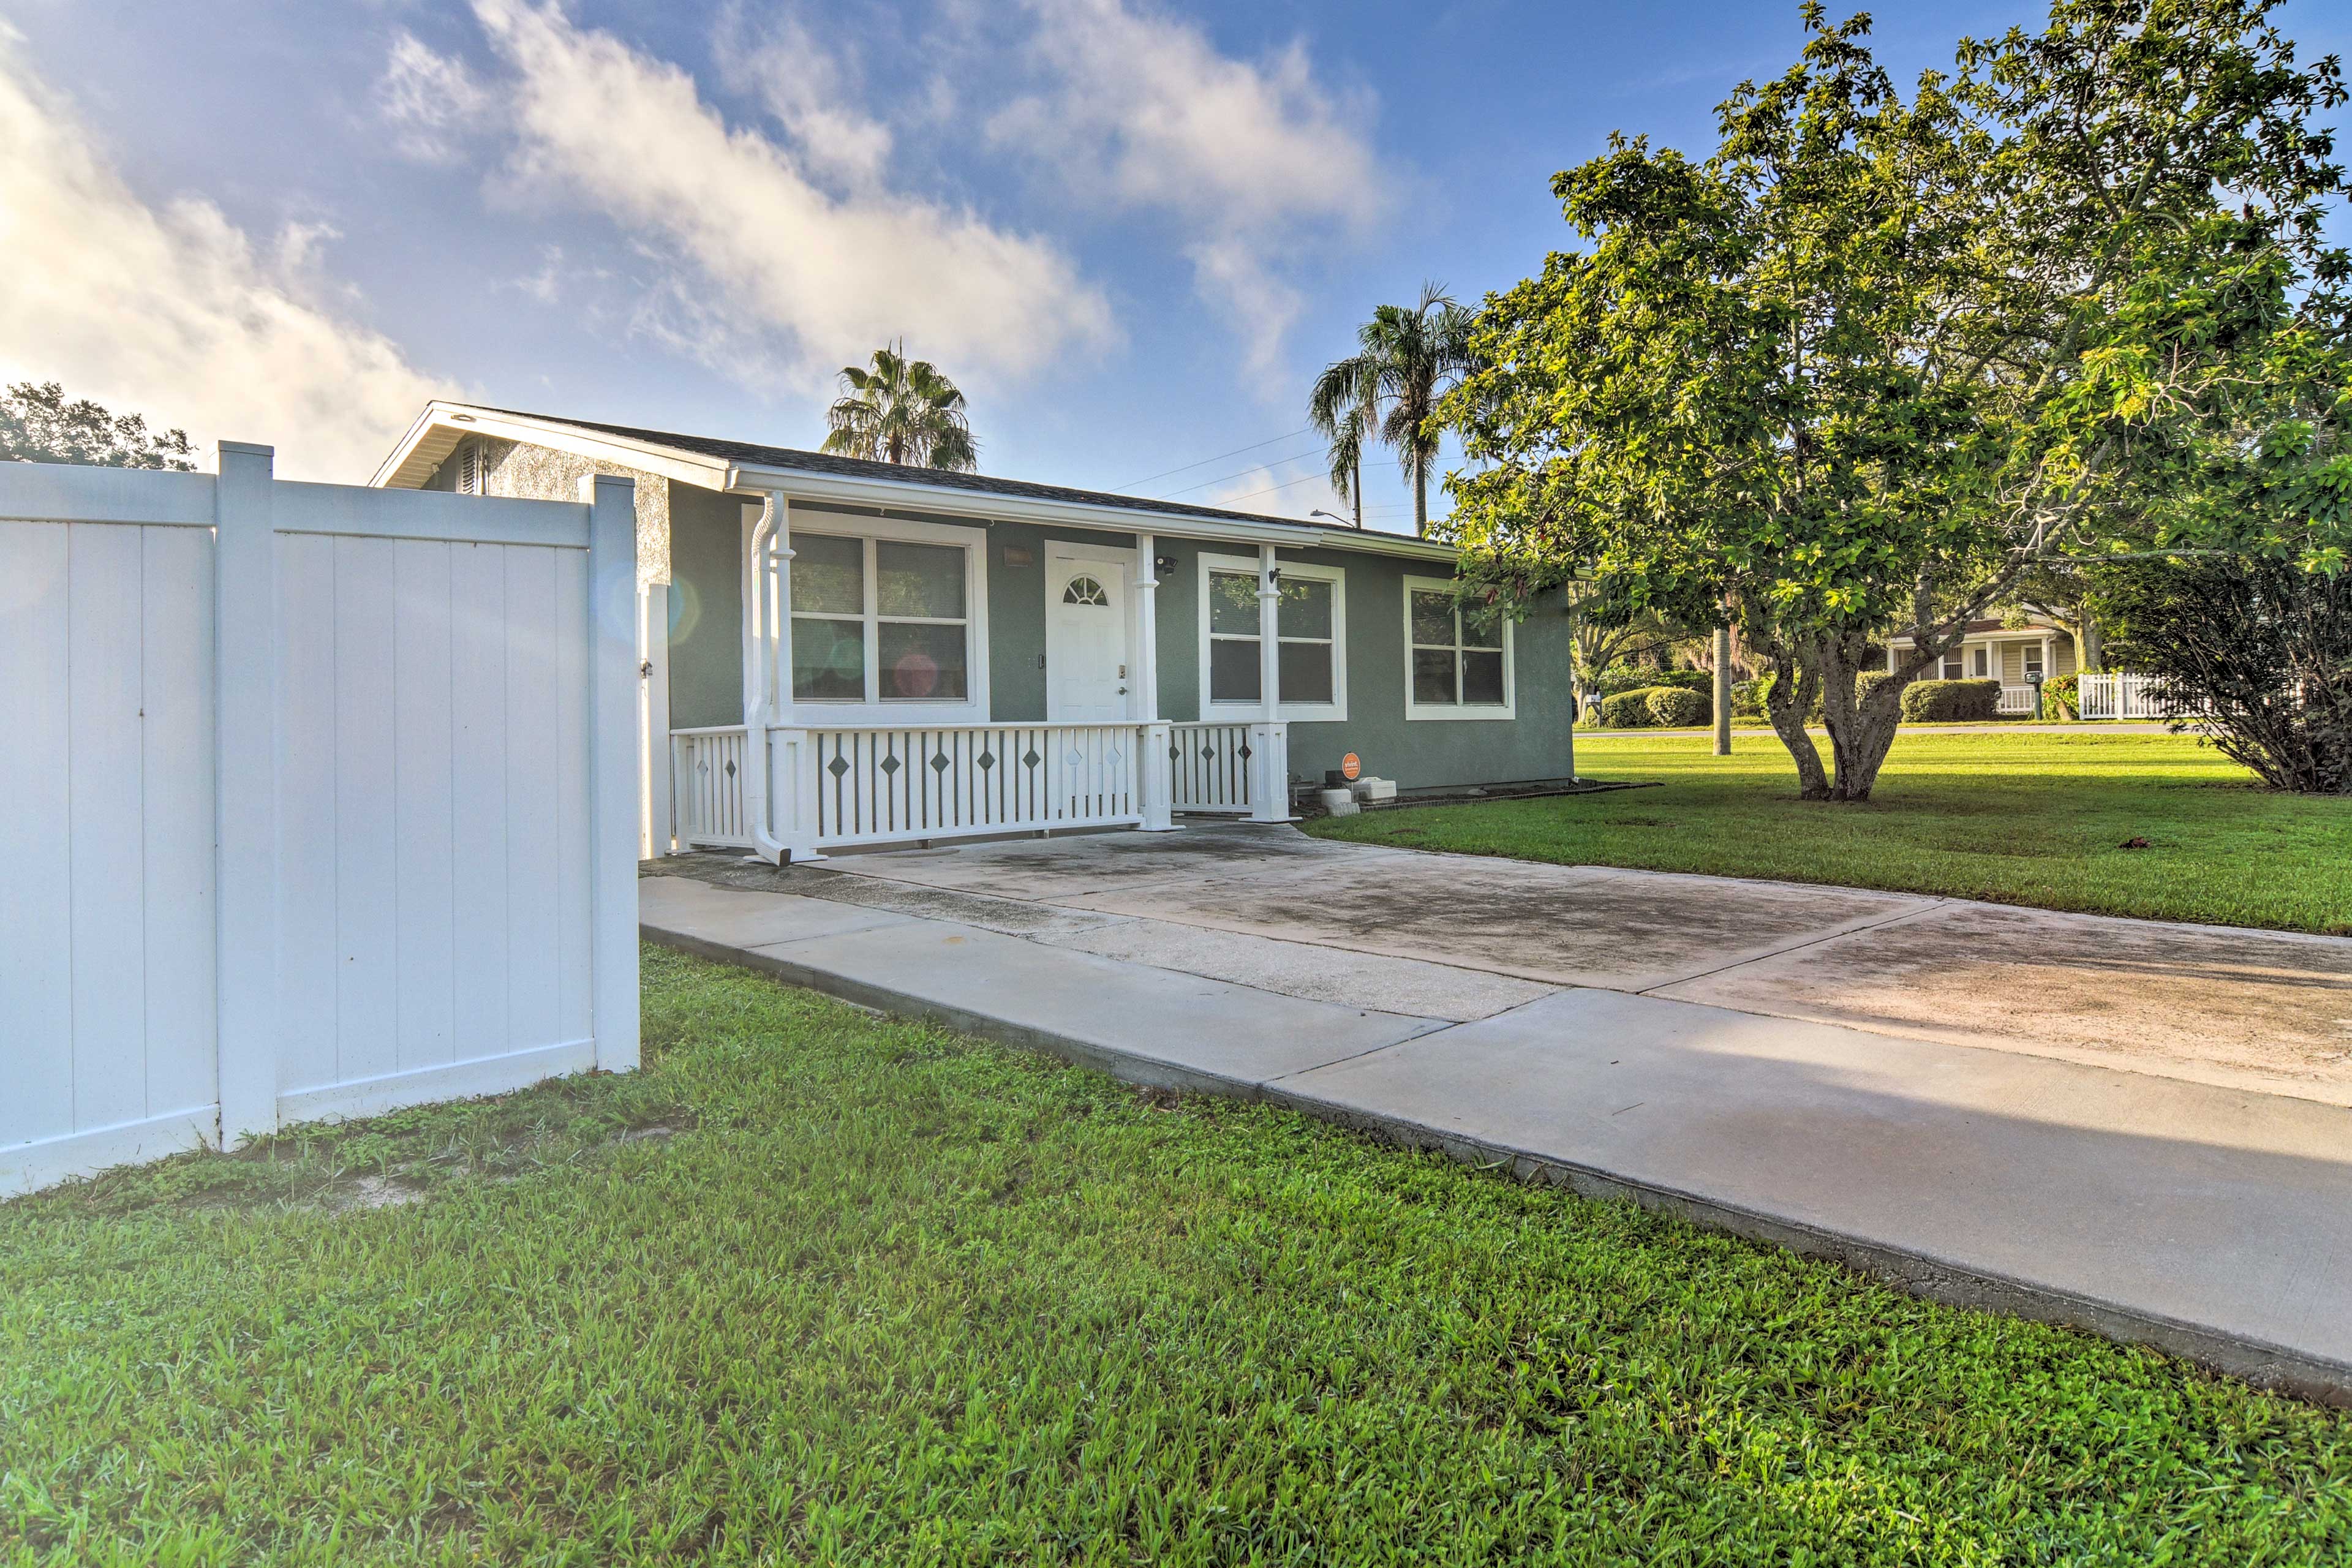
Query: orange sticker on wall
1350, 766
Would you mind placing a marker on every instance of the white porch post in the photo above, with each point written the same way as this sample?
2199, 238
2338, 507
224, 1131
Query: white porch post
771, 809
1158, 782
1269, 740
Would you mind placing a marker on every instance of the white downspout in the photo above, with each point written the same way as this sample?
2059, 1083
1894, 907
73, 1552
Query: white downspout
770, 565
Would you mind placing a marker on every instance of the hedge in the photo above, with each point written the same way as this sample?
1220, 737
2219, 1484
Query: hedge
1946, 701
2062, 697
1628, 709
1619, 679
1676, 708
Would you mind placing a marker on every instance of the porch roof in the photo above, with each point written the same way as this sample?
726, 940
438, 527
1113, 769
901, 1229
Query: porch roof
1989, 631
718, 464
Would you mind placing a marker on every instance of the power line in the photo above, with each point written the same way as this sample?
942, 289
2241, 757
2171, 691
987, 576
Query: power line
1230, 500
1236, 452
1238, 473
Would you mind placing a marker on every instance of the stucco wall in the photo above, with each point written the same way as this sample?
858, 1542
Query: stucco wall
1418, 753
543, 473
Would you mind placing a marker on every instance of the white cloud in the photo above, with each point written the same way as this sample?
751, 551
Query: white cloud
767, 268
432, 103
1143, 112
810, 92
1284, 490
177, 314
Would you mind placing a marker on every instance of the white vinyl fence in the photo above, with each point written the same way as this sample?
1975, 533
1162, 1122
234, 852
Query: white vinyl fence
314, 800
2125, 696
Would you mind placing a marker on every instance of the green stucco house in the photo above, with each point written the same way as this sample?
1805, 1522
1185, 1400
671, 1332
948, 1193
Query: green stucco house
923, 654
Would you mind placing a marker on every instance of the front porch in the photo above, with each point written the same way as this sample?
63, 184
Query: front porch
850, 787
869, 713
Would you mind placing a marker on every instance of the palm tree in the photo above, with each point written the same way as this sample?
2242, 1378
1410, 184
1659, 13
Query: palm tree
1406, 361
900, 411
1343, 409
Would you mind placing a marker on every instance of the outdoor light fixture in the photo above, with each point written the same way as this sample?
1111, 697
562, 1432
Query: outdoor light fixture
1163, 566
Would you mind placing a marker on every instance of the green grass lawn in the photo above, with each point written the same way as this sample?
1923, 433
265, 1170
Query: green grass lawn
2037, 818
883, 1295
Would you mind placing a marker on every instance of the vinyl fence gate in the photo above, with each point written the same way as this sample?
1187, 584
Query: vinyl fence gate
314, 800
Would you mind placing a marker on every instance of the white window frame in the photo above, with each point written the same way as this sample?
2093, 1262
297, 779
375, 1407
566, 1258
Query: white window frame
1509, 708
827, 712
1335, 711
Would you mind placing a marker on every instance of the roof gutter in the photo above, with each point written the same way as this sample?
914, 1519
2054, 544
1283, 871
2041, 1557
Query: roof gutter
985, 506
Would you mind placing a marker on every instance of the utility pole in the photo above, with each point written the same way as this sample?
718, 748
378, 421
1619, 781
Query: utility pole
1723, 691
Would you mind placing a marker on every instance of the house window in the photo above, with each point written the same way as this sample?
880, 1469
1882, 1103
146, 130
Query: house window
1984, 663
879, 620
1951, 666
1310, 629
1459, 660
2032, 662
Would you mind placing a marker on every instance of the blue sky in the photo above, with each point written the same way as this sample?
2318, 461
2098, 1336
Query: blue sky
1133, 230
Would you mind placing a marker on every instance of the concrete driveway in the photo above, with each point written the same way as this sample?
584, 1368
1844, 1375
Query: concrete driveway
1462, 937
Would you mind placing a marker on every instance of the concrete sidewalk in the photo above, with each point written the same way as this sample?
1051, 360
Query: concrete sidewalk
2211, 1221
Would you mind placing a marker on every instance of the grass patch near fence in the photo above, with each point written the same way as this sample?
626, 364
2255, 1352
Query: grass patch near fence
893, 1296
2037, 818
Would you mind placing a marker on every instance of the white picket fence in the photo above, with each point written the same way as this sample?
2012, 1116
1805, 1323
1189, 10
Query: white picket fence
314, 800
2125, 696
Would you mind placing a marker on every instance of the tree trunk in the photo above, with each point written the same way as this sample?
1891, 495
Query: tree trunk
1356, 488
1861, 732
2087, 652
1420, 496
1794, 685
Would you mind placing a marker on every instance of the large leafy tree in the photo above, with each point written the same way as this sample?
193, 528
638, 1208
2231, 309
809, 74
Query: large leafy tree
1881, 356
898, 410
39, 426
1406, 359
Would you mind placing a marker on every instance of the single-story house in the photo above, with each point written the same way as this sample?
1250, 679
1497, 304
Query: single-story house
2035, 647
921, 654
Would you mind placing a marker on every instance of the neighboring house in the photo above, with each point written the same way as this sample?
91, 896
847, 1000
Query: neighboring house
2038, 648
973, 655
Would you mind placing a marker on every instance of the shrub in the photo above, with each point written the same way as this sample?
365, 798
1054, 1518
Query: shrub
1748, 698
2061, 696
1947, 701
1867, 680
2262, 649
1623, 677
1627, 709
1676, 708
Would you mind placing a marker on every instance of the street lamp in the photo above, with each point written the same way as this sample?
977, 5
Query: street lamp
1335, 517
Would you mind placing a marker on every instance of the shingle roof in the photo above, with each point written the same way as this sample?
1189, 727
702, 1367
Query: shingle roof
756, 456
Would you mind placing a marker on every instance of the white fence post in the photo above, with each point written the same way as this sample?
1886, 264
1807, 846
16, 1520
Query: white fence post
245, 651
660, 832
613, 804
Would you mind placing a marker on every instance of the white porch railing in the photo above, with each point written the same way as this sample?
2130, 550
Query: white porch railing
880, 786
2125, 696
2016, 699
707, 786
837, 787
1211, 766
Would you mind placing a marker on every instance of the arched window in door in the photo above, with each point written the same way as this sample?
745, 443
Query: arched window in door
1084, 591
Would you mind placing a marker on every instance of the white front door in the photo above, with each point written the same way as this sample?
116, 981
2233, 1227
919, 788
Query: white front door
1088, 650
